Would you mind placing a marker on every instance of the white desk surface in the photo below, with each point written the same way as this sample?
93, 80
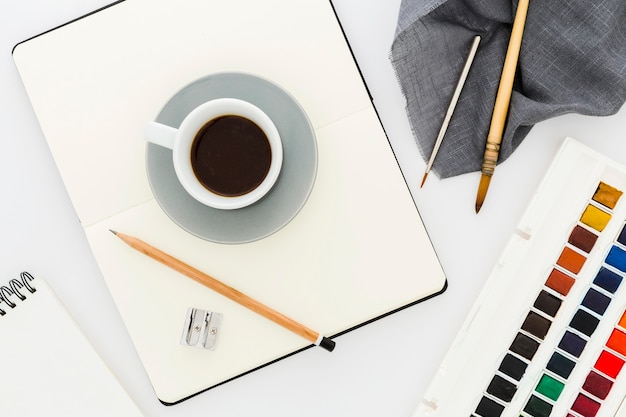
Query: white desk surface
380, 369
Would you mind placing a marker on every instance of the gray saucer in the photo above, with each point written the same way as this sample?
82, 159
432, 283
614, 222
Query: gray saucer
294, 183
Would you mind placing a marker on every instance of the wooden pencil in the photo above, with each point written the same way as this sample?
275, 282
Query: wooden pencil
226, 291
501, 106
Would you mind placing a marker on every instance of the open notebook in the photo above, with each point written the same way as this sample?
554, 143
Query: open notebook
48, 364
337, 243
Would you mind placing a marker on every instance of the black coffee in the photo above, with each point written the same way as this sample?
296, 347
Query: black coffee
231, 155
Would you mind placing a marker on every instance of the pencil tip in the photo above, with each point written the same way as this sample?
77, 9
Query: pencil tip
482, 191
424, 179
113, 231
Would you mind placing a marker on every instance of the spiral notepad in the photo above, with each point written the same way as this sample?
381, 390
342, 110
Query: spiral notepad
48, 366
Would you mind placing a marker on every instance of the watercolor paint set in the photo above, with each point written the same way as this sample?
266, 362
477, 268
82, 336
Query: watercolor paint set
547, 335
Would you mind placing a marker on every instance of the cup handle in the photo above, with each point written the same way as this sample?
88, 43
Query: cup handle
160, 134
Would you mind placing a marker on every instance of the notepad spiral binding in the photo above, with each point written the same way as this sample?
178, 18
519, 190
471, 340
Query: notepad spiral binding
14, 291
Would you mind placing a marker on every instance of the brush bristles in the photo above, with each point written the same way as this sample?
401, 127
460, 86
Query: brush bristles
482, 191
424, 179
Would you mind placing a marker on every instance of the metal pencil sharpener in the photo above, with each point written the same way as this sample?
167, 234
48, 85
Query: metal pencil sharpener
201, 328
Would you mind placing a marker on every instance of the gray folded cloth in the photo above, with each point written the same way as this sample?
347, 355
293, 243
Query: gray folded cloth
572, 60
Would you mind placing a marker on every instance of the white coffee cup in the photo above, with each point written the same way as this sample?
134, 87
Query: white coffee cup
181, 142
